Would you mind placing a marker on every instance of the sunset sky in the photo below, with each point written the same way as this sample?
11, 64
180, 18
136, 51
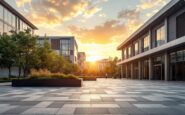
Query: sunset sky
98, 25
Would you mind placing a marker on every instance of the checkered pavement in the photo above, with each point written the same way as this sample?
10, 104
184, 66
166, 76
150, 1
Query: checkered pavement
101, 97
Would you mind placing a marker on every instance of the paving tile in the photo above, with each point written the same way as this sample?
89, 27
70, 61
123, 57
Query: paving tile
65, 111
43, 104
92, 111
17, 110
41, 111
150, 106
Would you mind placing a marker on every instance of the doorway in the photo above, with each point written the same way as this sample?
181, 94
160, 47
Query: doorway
158, 72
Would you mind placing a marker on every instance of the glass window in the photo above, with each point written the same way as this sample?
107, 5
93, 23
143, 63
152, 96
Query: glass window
5, 15
125, 54
146, 43
129, 52
1, 12
10, 18
13, 21
160, 36
173, 57
180, 55
181, 25
1, 27
136, 48
65, 47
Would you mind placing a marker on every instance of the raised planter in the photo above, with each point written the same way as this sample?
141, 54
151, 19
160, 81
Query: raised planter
47, 83
89, 78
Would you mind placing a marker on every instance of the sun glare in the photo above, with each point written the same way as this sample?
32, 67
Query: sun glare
93, 58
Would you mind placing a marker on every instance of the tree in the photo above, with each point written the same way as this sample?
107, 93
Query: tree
7, 51
25, 49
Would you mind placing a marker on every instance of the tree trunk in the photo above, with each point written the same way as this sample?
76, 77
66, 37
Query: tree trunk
19, 71
9, 71
24, 72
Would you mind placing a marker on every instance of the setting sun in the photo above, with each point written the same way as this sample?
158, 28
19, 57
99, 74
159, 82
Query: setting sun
93, 58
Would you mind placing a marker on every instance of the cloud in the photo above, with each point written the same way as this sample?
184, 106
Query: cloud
54, 12
99, 34
22, 2
148, 4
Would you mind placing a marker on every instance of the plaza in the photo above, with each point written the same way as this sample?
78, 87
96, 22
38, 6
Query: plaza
101, 97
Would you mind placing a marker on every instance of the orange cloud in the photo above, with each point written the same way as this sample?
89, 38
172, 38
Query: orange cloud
148, 4
54, 12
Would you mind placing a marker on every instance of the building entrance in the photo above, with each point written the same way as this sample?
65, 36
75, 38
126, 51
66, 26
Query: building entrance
158, 72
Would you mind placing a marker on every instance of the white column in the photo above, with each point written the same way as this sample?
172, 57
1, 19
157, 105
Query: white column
166, 67
150, 69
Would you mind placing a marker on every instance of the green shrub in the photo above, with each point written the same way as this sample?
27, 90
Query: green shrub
71, 76
45, 74
57, 75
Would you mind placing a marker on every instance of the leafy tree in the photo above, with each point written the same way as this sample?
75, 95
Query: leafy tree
7, 52
25, 49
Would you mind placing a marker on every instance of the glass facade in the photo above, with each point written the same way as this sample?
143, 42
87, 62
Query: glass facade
130, 51
10, 22
145, 69
178, 56
136, 48
145, 43
177, 65
65, 48
160, 36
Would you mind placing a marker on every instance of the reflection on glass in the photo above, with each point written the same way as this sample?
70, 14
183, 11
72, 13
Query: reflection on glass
160, 36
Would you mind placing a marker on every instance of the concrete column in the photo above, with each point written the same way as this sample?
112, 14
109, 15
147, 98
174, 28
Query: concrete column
150, 69
126, 71
166, 67
121, 71
140, 46
139, 70
132, 70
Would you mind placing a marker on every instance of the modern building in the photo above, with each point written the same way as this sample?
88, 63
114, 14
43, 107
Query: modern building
63, 45
156, 51
81, 60
12, 20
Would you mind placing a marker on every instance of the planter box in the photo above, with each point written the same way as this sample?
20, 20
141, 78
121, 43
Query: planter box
89, 79
47, 83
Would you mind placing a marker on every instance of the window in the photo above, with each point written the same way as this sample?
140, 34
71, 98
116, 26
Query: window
160, 36
1, 27
146, 43
1, 12
65, 47
13, 24
136, 48
125, 54
181, 25
173, 57
129, 51
180, 56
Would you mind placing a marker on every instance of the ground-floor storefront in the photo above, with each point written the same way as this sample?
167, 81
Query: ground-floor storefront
169, 65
